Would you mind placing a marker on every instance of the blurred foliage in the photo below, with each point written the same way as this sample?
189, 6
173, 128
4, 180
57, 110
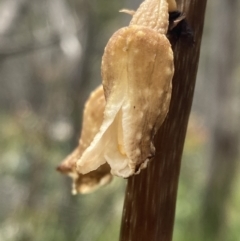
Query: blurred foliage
32, 203
43, 89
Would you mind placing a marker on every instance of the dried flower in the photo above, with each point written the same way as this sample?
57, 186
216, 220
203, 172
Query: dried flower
137, 70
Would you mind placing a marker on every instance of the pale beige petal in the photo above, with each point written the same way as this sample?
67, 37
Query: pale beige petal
149, 73
92, 120
95, 155
93, 180
92, 117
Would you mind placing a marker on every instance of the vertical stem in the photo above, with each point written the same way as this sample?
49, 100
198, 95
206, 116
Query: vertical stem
150, 200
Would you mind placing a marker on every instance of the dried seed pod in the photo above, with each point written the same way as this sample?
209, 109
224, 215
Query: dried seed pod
137, 69
92, 120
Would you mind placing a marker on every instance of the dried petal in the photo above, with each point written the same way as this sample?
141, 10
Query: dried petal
93, 117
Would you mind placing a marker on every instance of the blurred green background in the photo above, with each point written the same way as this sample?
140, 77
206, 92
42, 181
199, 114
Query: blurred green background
50, 55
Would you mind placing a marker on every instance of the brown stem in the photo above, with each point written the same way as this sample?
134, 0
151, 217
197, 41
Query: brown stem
150, 200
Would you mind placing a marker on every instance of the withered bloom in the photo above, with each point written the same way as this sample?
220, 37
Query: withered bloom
137, 70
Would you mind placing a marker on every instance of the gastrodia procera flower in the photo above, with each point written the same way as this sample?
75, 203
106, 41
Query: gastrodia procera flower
92, 120
137, 71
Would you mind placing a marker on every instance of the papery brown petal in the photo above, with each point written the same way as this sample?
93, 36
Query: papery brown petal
92, 120
68, 165
146, 65
93, 180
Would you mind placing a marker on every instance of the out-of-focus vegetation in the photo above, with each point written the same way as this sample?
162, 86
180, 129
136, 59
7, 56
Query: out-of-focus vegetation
50, 55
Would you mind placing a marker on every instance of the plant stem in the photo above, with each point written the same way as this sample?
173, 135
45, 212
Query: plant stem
150, 199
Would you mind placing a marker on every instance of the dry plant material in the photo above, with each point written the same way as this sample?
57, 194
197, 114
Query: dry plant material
137, 72
92, 120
